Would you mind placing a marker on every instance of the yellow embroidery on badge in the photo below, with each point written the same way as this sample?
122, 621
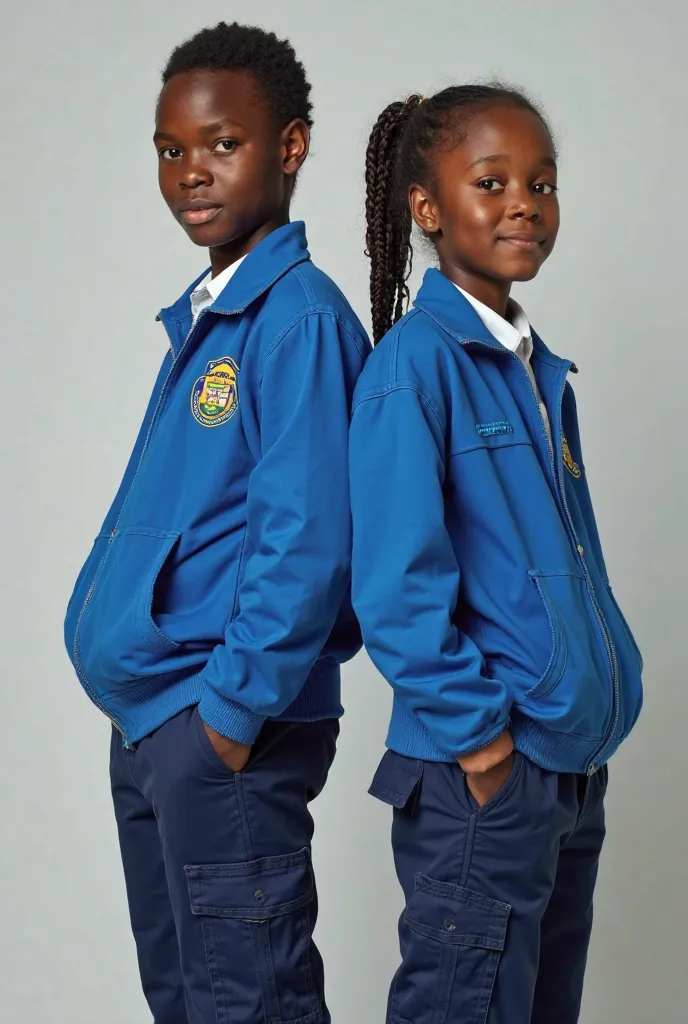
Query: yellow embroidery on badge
573, 467
215, 395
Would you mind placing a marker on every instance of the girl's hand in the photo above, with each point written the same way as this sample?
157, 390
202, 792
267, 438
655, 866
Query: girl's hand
488, 769
234, 755
483, 786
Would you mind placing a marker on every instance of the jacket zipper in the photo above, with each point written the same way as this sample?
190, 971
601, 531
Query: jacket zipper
609, 644
76, 651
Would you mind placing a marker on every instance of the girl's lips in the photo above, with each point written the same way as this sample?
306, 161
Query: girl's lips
523, 243
200, 216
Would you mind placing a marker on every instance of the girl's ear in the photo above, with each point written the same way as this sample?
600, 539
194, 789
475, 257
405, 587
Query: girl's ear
423, 210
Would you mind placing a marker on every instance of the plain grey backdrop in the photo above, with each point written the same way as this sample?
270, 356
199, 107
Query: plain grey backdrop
90, 253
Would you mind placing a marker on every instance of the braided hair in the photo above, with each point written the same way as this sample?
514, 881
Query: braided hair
399, 154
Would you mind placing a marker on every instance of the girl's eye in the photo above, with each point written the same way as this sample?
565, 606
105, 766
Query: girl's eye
170, 153
544, 188
490, 185
225, 146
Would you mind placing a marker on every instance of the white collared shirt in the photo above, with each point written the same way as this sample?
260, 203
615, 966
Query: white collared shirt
205, 293
514, 335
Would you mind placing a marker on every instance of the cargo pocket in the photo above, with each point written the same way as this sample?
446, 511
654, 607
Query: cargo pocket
452, 941
256, 921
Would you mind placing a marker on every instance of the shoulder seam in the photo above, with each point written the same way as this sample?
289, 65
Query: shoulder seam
402, 385
313, 311
307, 290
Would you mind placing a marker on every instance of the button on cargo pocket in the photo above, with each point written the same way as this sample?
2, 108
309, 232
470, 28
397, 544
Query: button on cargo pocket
119, 640
257, 929
451, 943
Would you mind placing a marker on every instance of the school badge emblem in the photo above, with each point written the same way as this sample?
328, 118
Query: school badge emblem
215, 395
573, 467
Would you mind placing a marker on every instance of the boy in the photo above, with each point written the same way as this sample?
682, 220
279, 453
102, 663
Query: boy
212, 615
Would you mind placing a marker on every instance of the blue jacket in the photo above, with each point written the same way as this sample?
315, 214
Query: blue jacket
478, 576
221, 573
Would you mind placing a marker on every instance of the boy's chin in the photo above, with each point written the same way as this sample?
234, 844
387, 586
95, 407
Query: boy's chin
203, 236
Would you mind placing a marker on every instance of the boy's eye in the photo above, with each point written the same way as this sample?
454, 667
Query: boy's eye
490, 185
170, 153
225, 146
544, 188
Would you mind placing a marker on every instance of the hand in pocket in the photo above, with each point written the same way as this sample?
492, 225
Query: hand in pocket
483, 786
234, 755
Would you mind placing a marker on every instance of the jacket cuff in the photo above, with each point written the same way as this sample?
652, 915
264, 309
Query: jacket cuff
230, 719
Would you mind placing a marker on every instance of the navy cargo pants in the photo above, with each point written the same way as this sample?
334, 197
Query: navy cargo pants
498, 899
218, 872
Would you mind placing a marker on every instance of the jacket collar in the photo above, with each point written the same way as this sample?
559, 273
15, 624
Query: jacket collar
442, 301
271, 259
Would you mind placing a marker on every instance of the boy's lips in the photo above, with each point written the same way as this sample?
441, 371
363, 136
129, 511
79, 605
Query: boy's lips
199, 212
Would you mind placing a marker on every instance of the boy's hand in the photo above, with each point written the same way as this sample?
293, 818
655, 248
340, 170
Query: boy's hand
487, 770
234, 755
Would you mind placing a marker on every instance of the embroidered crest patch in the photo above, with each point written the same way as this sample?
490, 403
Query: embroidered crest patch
573, 467
215, 395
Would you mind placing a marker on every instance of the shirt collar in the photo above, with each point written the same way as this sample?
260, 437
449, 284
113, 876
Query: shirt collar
215, 285
271, 259
211, 287
510, 333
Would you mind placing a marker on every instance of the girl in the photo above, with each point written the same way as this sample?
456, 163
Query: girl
478, 575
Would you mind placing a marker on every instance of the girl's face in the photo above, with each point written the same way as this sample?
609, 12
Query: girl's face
492, 208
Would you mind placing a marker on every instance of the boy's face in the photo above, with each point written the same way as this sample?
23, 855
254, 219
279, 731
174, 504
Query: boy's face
492, 209
226, 170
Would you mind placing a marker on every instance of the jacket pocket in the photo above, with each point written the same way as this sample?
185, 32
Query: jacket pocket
257, 932
451, 943
577, 681
558, 657
119, 640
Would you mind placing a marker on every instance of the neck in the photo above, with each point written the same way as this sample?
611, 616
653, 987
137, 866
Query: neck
223, 256
488, 290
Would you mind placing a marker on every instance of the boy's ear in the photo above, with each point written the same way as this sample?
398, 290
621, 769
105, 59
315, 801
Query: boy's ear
296, 140
423, 209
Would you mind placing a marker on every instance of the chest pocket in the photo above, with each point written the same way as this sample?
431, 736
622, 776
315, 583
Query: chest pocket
492, 432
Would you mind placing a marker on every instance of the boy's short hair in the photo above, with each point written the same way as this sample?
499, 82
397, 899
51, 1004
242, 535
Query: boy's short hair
271, 61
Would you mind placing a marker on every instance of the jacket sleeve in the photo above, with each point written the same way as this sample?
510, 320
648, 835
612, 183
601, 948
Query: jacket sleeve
299, 527
405, 574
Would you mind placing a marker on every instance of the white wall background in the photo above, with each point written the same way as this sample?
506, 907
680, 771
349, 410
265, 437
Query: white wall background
89, 253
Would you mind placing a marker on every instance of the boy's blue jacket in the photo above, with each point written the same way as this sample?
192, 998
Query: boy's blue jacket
221, 573
478, 576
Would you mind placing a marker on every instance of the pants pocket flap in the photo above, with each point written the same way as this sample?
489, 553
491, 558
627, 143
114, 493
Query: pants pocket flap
396, 779
252, 891
448, 913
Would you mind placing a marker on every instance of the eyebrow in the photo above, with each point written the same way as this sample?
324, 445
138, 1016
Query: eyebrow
500, 158
206, 129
